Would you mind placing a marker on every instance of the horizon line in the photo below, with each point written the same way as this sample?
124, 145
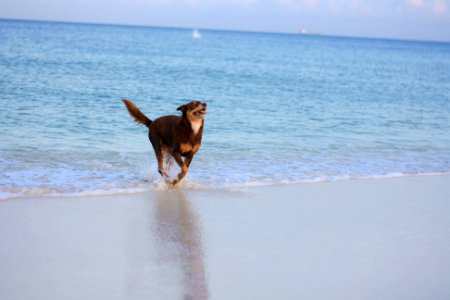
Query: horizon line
228, 30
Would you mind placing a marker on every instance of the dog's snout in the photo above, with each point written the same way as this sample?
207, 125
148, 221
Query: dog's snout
204, 104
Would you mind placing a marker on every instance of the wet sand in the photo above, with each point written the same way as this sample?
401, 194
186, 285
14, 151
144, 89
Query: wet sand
360, 239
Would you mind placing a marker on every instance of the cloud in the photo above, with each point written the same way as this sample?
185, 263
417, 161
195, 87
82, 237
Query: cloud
311, 2
440, 7
416, 2
328, 6
323, 7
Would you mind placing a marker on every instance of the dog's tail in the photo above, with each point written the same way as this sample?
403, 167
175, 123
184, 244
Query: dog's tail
138, 116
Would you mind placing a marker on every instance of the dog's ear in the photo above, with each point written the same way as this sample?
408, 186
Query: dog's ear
182, 107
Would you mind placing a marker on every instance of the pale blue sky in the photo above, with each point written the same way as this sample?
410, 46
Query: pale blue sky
404, 19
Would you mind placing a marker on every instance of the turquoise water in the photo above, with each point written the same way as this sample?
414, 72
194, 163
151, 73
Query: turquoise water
282, 108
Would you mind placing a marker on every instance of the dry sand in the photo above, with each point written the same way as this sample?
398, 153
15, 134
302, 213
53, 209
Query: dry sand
364, 239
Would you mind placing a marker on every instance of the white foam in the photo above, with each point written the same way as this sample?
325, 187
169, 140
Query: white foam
130, 175
160, 185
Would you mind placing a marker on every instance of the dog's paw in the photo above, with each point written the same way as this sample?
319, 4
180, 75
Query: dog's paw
172, 182
163, 174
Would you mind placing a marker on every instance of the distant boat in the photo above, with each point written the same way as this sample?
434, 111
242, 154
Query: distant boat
196, 34
305, 31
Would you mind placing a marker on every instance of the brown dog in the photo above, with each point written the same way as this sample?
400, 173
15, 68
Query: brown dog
179, 136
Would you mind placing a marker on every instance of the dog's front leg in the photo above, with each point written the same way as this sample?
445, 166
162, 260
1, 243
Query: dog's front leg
181, 164
188, 160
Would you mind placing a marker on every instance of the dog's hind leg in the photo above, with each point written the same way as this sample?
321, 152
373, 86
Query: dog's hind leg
156, 143
182, 165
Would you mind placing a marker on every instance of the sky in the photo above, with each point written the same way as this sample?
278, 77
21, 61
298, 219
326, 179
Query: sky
395, 19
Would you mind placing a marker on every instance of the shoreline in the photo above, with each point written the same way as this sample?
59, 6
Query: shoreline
353, 239
189, 186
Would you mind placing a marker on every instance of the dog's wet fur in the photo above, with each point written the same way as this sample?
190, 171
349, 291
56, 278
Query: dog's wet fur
179, 136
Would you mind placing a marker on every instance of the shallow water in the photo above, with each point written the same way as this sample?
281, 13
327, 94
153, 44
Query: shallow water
282, 108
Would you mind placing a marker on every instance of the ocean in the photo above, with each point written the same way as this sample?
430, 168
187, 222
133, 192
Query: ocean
282, 108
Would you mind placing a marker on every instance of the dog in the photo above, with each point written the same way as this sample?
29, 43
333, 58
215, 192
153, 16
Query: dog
180, 136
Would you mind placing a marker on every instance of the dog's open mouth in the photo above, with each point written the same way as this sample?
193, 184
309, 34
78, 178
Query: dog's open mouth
200, 112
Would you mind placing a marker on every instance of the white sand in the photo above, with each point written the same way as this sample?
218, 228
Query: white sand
367, 239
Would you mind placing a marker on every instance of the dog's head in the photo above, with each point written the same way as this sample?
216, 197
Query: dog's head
194, 109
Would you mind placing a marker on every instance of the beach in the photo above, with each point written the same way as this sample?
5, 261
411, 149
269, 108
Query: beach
323, 171
349, 239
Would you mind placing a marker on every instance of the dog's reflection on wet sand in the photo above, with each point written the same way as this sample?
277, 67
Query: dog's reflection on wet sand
177, 231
